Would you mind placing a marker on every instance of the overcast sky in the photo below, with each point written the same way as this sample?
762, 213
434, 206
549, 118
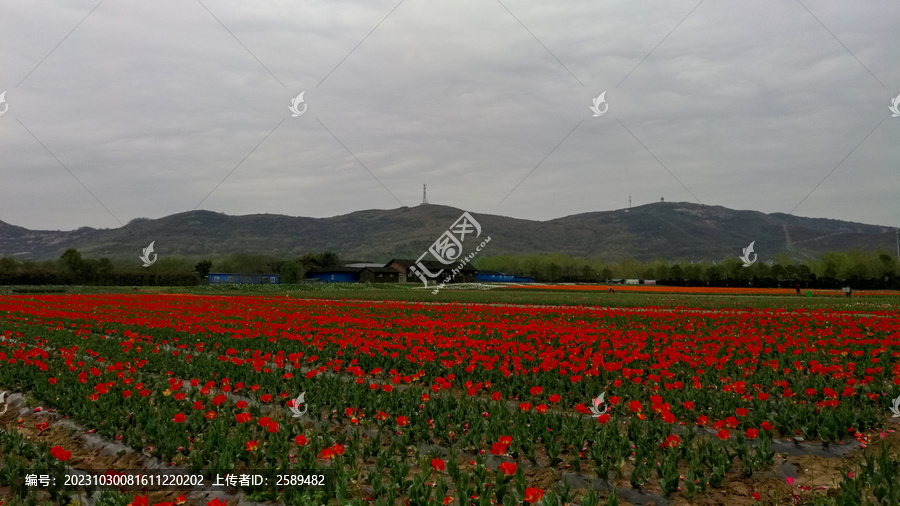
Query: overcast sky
121, 109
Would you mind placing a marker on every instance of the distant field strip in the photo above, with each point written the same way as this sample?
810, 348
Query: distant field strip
707, 290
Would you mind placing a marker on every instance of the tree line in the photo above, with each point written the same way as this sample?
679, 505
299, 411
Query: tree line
859, 269
72, 269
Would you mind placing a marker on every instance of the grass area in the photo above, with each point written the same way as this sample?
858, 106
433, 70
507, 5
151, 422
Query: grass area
415, 292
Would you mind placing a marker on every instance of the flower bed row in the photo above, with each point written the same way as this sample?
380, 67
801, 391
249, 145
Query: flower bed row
176, 366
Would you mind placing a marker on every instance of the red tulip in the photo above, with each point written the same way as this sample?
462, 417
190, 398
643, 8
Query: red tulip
533, 495
140, 500
671, 442
508, 468
60, 453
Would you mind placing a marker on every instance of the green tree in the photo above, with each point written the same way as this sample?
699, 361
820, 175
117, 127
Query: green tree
105, 271
831, 265
553, 271
804, 273
171, 264
203, 267
328, 259
630, 268
532, 267
72, 261
319, 260
659, 269
8, 266
733, 271
87, 272
693, 273
245, 263
291, 272
779, 273
606, 274
715, 275
587, 274
677, 274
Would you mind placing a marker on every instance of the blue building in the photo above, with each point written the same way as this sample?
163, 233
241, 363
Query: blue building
494, 277
335, 274
242, 279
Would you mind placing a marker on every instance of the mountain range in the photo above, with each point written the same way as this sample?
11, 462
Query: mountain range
662, 230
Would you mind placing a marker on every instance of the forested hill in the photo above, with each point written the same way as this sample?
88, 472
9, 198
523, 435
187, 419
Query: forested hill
664, 230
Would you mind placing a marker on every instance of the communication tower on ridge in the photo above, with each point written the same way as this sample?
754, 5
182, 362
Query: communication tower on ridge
424, 194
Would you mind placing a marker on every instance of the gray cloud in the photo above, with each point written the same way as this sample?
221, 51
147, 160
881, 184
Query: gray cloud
749, 104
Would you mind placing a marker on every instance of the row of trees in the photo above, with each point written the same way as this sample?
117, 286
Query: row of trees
71, 268
859, 269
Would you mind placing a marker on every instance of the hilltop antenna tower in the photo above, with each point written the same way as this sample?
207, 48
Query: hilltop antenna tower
424, 194
629, 202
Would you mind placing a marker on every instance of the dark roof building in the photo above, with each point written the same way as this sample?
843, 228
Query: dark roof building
220, 278
354, 275
335, 274
379, 275
466, 274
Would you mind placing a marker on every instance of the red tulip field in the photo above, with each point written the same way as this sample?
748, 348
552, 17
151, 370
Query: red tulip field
450, 403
